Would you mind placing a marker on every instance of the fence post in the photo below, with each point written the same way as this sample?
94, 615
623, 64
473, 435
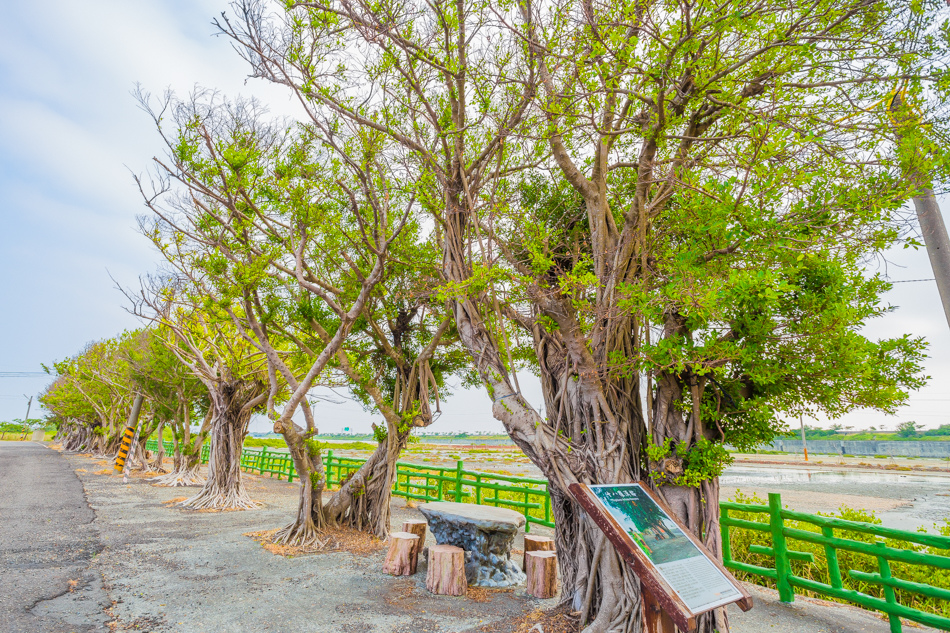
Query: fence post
527, 517
724, 532
263, 459
329, 468
889, 595
458, 481
782, 566
831, 555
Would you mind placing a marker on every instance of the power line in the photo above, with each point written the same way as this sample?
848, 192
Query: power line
907, 281
22, 374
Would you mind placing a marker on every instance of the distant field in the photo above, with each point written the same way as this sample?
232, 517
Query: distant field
278, 442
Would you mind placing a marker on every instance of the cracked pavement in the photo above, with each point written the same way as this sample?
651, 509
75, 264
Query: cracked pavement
48, 541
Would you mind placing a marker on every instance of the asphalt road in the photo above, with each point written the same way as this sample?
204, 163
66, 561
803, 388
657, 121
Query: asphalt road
47, 544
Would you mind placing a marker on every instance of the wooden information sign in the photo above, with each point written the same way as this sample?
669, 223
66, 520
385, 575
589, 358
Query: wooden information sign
680, 579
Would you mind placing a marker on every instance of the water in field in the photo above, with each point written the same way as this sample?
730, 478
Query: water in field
901, 500
738, 475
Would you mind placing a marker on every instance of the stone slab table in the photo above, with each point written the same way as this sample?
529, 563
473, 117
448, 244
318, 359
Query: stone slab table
485, 533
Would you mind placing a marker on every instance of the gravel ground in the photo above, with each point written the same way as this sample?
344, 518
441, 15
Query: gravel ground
165, 569
171, 569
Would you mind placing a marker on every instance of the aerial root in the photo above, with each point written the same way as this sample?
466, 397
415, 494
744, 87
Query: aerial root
212, 498
303, 535
188, 477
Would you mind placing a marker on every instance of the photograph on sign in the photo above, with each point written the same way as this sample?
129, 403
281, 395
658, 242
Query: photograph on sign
687, 570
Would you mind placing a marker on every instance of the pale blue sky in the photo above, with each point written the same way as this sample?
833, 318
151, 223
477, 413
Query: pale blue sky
70, 133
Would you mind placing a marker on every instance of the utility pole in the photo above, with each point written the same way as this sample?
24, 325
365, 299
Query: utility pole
932, 227
934, 232
26, 420
801, 421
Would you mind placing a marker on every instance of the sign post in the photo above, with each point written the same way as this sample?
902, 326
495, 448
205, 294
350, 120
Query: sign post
679, 578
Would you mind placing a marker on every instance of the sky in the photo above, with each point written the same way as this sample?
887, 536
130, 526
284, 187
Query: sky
72, 136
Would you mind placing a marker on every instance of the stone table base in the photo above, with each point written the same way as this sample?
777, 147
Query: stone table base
485, 533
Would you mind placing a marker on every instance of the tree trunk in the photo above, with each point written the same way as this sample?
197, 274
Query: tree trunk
186, 470
363, 501
101, 444
75, 435
224, 487
593, 432
599, 413
310, 520
696, 506
157, 463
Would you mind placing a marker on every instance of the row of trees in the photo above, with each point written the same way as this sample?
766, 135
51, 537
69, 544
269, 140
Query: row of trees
664, 210
94, 392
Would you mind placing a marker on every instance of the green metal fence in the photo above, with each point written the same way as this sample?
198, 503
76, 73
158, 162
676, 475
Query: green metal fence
415, 481
884, 545
261, 460
528, 496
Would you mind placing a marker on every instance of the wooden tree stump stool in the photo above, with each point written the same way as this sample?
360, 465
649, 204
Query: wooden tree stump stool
541, 567
403, 554
446, 575
534, 543
417, 527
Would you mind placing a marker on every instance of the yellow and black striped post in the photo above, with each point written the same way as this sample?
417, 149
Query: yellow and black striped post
129, 435
124, 449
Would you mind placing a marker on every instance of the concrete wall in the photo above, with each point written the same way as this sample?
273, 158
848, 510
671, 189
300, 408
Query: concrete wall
863, 447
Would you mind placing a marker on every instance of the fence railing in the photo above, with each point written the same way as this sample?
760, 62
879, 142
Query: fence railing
528, 496
880, 546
